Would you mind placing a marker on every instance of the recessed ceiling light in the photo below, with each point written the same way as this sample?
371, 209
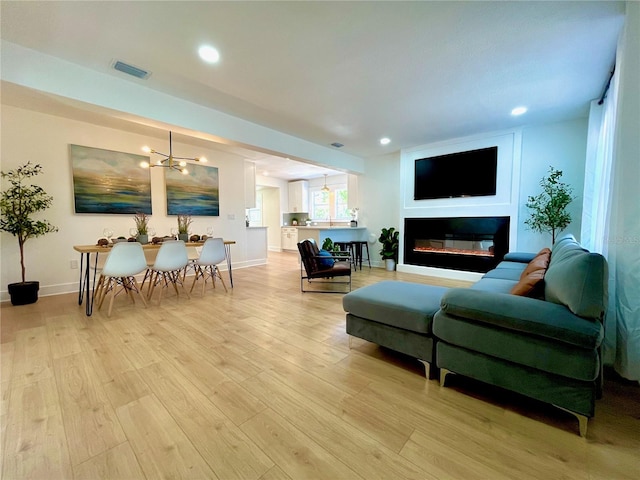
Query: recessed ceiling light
385, 141
518, 111
209, 54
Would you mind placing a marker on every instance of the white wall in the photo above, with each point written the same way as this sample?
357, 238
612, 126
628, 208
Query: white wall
379, 199
385, 187
276, 205
271, 216
45, 73
45, 139
561, 145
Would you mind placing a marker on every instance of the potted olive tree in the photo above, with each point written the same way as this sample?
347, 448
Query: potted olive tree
18, 203
390, 241
548, 209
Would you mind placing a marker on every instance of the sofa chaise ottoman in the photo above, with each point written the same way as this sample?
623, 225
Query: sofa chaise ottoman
396, 315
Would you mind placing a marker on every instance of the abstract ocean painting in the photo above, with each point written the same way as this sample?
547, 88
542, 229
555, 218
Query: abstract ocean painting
193, 194
105, 181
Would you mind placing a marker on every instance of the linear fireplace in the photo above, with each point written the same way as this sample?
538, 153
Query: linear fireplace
474, 244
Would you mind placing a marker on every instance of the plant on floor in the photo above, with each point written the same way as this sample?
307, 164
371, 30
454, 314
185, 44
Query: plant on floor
18, 204
549, 208
142, 223
184, 221
390, 240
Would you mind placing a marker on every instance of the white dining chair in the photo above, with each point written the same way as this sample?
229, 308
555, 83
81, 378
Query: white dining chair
168, 268
192, 253
125, 260
206, 266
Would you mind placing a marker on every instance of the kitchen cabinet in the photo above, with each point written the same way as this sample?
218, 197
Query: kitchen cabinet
299, 196
290, 238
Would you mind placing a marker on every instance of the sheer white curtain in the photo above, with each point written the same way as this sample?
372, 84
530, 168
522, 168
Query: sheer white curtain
597, 197
611, 206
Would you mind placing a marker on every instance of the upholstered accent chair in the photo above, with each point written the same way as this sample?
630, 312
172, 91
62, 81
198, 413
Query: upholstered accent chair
330, 269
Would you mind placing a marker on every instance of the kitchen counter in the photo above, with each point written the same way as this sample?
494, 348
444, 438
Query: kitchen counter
335, 227
335, 233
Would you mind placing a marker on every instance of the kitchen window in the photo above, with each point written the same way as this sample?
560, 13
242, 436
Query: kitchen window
329, 205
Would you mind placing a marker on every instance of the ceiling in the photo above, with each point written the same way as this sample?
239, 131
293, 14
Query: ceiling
347, 72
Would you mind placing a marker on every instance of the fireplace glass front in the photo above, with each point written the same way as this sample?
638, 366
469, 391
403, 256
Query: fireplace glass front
475, 244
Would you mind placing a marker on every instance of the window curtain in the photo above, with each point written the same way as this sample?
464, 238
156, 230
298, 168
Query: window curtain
611, 210
597, 198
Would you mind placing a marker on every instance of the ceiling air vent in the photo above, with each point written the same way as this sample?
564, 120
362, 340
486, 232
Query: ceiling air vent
131, 70
337, 145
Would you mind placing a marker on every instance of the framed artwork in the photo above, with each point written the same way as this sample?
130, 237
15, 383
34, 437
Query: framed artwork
193, 194
105, 181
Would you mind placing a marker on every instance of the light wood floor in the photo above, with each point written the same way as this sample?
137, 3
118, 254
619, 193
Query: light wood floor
260, 383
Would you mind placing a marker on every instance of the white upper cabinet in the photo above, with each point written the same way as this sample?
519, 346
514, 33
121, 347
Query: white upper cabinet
299, 196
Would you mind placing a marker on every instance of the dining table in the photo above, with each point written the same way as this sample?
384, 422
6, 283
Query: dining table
86, 284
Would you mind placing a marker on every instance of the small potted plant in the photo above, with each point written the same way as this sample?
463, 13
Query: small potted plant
184, 221
18, 204
142, 226
548, 209
390, 240
354, 216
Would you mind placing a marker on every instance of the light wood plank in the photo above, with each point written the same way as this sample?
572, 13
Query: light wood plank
63, 336
429, 453
35, 443
3, 438
235, 401
227, 450
161, 447
108, 361
125, 388
90, 421
289, 352
118, 462
32, 357
294, 452
452, 428
275, 473
329, 354
350, 445
243, 368
6, 370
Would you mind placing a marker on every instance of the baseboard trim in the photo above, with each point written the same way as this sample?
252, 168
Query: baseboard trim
72, 287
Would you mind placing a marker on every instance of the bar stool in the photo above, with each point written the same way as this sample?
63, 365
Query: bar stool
347, 247
356, 248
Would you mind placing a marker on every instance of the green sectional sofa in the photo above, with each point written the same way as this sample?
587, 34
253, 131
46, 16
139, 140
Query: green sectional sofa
544, 345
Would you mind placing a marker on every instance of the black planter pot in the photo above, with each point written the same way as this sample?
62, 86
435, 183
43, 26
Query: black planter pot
24, 293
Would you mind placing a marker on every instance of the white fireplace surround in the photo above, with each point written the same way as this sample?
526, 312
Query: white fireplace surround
504, 203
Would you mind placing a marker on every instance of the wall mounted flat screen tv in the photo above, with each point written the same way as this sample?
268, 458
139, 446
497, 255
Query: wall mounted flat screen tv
461, 174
